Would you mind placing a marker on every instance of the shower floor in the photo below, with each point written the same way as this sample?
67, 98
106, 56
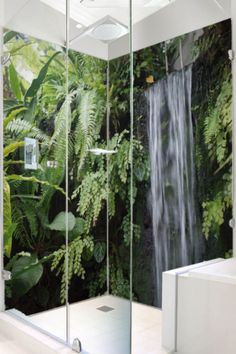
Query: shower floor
107, 330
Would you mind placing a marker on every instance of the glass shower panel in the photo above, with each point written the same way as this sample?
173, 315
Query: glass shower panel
35, 140
99, 177
182, 158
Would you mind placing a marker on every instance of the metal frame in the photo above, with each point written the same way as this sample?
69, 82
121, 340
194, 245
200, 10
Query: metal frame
67, 174
108, 176
2, 272
2, 282
233, 18
131, 53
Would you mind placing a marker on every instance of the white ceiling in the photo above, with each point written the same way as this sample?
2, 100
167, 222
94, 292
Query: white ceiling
87, 12
180, 17
45, 19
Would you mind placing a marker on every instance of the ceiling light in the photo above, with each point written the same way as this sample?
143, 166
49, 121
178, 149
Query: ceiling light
159, 3
106, 30
125, 3
113, 3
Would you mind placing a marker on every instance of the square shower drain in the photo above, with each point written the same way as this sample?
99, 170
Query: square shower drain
105, 308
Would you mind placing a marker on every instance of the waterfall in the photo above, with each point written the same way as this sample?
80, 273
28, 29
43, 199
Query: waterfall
171, 147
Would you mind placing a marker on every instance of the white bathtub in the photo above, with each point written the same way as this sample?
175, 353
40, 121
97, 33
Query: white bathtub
199, 308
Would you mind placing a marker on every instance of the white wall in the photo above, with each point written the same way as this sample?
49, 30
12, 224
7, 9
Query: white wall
40, 21
180, 17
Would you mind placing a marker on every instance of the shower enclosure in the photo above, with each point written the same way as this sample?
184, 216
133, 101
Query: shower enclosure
58, 195
116, 161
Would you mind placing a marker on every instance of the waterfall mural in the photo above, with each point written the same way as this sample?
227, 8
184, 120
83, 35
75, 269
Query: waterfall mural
176, 234
183, 120
182, 156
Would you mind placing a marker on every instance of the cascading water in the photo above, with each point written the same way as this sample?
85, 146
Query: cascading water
171, 145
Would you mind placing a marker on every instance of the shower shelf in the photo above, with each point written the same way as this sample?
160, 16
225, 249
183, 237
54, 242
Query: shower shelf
97, 151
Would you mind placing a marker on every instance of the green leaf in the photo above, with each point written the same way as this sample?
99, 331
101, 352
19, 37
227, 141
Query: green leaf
30, 114
79, 226
33, 180
13, 115
99, 251
14, 82
13, 162
12, 148
9, 226
8, 36
59, 223
36, 84
78, 229
26, 273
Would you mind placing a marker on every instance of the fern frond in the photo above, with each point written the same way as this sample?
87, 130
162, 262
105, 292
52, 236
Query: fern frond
21, 128
86, 125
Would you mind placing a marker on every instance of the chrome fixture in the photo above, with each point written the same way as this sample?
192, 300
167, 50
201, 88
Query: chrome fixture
31, 154
232, 223
52, 164
231, 54
98, 151
76, 346
6, 275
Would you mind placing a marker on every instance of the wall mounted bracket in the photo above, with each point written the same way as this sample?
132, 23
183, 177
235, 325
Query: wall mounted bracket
231, 55
232, 223
6, 275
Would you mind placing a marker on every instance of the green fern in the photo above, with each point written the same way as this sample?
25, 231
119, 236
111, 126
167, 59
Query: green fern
75, 268
21, 128
218, 125
85, 128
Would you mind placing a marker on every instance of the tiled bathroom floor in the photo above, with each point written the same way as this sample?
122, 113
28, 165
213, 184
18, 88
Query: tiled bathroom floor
107, 332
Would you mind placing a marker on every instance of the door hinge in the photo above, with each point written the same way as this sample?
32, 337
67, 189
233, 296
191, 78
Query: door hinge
232, 223
6, 275
76, 346
231, 54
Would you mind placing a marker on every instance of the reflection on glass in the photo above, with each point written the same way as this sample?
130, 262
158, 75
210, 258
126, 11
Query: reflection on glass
34, 190
103, 170
99, 189
78, 187
178, 84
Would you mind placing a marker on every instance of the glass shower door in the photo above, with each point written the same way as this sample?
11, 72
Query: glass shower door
34, 183
100, 178
68, 170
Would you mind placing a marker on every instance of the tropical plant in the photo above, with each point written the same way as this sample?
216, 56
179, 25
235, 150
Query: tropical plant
214, 129
37, 104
